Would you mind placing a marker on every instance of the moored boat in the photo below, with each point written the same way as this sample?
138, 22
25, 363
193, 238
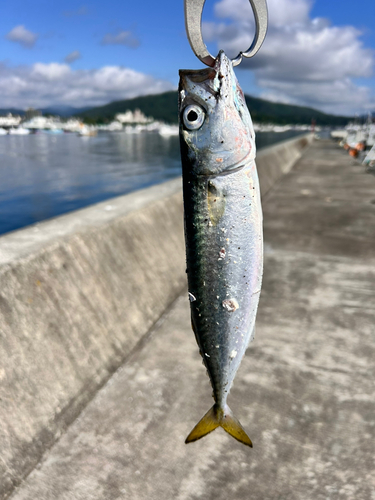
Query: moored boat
19, 131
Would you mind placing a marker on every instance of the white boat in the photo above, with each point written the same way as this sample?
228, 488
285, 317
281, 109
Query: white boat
359, 134
114, 126
3, 131
369, 160
371, 136
339, 134
168, 130
133, 130
19, 131
351, 139
86, 131
281, 128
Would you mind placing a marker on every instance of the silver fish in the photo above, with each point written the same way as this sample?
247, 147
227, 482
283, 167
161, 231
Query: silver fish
223, 229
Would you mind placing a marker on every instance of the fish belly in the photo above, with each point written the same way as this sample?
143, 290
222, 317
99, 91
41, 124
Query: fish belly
224, 247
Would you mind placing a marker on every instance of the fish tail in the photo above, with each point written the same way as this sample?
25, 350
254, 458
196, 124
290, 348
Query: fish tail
219, 417
206, 425
233, 427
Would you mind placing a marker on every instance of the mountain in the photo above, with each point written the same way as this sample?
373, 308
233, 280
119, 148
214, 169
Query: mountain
60, 110
63, 110
13, 111
263, 111
163, 107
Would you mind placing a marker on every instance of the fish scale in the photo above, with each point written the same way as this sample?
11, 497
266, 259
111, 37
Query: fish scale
223, 229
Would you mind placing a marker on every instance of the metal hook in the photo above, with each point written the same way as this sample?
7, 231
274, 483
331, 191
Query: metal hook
193, 23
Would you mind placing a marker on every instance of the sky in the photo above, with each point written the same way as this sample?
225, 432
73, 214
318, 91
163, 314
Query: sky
317, 53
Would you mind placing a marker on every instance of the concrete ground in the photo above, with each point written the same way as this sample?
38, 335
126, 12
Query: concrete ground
305, 389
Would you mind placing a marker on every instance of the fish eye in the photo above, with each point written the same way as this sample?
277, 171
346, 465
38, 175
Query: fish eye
193, 117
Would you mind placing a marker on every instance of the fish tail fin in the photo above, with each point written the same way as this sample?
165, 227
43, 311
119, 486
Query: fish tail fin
233, 427
205, 425
218, 417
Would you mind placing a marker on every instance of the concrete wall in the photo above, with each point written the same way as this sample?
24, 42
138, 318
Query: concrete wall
277, 160
77, 295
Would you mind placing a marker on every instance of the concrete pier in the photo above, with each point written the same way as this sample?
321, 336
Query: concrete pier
304, 391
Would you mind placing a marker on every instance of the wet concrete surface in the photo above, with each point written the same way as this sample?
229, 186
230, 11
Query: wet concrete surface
304, 391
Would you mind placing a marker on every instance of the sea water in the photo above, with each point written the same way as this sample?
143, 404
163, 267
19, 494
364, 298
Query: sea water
44, 175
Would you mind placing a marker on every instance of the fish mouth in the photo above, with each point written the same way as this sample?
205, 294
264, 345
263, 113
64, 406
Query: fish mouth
221, 69
222, 62
217, 80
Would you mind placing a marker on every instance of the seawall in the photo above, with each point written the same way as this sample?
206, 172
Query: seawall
78, 294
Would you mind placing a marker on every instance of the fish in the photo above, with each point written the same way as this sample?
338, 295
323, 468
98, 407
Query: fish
223, 229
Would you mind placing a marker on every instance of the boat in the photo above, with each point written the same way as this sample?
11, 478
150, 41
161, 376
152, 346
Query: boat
369, 160
3, 131
339, 134
19, 131
86, 131
168, 130
114, 126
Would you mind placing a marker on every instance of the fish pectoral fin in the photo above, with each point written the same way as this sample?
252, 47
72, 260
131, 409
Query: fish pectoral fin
206, 425
233, 427
217, 417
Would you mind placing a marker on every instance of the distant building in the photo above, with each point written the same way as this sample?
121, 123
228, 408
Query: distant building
31, 113
135, 116
10, 120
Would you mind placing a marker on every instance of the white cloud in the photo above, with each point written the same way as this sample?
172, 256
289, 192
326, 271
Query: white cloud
281, 12
73, 56
49, 72
41, 85
20, 34
303, 60
121, 38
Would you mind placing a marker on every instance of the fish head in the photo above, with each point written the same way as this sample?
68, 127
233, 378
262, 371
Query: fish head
216, 130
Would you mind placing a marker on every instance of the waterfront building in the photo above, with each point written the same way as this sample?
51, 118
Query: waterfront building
10, 120
31, 113
131, 117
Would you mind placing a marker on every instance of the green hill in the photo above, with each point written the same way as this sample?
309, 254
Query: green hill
263, 111
163, 107
13, 111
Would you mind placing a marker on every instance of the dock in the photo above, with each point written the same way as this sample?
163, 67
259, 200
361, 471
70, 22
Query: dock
304, 391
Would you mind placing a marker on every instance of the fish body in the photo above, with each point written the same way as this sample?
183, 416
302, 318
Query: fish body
223, 228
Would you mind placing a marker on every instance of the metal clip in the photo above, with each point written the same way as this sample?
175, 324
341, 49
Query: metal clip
193, 23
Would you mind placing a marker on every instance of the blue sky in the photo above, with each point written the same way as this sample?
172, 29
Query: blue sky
319, 53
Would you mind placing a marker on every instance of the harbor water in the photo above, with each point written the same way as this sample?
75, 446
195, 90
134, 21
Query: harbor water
44, 175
